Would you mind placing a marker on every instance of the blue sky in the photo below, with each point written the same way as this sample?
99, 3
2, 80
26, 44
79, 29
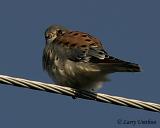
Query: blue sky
129, 30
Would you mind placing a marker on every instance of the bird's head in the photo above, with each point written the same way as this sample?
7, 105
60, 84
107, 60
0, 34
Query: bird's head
53, 32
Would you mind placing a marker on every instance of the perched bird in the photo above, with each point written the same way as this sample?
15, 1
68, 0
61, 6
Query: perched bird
78, 60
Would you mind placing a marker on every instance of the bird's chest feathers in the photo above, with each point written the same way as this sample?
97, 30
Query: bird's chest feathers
60, 51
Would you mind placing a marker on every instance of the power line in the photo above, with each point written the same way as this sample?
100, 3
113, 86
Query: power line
79, 93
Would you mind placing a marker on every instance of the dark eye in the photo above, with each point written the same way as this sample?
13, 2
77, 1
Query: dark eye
48, 36
59, 32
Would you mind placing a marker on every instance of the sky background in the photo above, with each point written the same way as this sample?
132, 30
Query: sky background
129, 30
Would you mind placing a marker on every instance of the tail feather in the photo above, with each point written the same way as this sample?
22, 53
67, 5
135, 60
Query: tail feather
123, 67
112, 64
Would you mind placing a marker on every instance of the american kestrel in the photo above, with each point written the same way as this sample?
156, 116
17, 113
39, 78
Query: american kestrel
78, 60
